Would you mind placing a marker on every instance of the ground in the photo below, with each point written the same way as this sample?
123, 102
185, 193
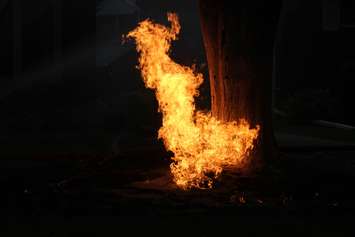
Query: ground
309, 192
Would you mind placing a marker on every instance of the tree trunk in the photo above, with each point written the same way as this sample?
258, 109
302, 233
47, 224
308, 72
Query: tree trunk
238, 38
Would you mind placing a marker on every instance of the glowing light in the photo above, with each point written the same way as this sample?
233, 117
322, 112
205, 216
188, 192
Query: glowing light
202, 145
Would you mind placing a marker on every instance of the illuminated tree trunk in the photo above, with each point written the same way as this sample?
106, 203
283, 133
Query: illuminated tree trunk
238, 37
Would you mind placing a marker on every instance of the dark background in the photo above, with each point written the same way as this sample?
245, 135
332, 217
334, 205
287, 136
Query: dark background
65, 72
71, 96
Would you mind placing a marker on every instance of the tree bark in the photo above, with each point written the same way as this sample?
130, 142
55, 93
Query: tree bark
239, 38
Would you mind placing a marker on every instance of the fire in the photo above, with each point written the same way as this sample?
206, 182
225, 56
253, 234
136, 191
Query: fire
202, 145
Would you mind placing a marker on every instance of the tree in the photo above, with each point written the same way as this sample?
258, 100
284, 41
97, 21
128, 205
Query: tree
238, 38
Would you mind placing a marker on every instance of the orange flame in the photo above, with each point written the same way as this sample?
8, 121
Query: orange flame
202, 145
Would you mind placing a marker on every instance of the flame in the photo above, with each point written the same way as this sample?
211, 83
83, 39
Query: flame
202, 145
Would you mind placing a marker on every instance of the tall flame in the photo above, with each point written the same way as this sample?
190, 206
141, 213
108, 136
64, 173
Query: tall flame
202, 145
